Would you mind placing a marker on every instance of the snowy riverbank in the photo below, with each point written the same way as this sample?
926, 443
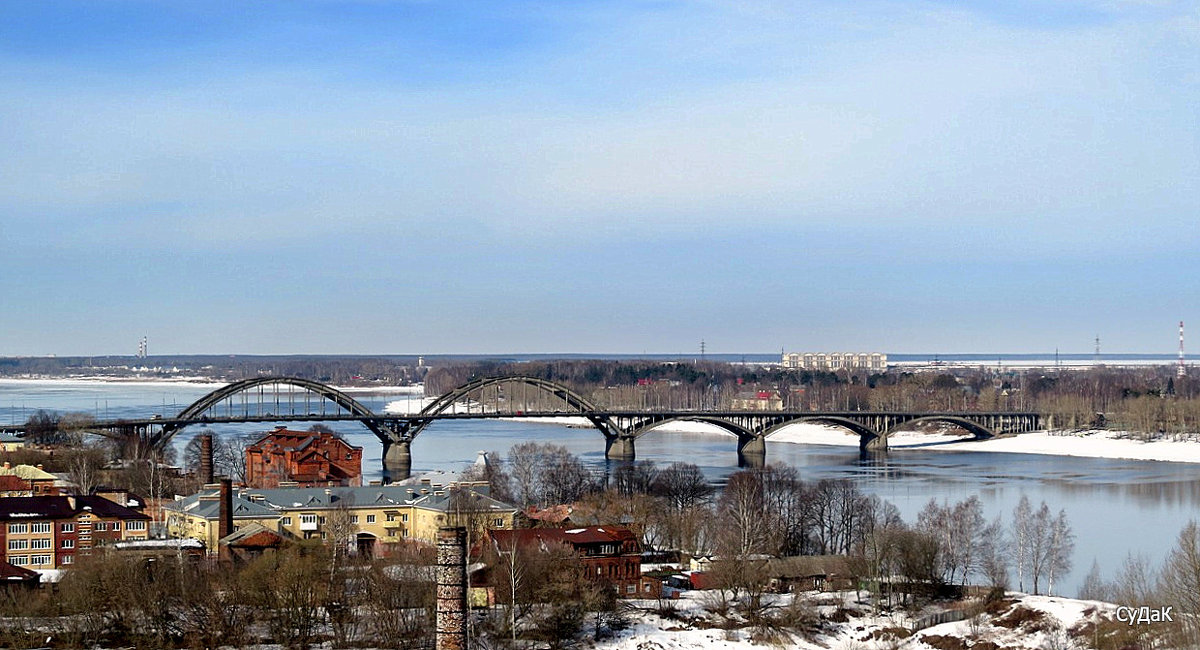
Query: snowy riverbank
1018, 621
1093, 443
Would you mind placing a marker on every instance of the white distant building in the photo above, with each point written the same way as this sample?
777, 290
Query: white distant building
834, 361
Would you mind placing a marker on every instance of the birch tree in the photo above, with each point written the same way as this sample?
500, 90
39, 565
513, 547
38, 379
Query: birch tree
1022, 531
1059, 550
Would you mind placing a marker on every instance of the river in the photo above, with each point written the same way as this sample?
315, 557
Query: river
1116, 507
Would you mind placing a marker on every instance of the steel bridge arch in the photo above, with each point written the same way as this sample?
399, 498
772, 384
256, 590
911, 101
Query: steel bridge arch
342, 400
863, 431
582, 405
980, 431
640, 429
867, 437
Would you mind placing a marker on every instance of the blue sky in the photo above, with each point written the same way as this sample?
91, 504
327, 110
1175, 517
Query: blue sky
486, 177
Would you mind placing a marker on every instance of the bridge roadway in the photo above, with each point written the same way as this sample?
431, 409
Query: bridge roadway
507, 397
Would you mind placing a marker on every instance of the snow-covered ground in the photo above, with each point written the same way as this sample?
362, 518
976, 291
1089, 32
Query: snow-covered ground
1018, 621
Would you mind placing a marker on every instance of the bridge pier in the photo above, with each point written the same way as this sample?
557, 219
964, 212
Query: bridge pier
619, 448
877, 443
397, 460
752, 451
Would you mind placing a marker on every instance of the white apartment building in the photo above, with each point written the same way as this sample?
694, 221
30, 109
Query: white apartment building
834, 361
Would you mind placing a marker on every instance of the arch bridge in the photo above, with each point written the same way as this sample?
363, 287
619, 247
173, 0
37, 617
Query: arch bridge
292, 399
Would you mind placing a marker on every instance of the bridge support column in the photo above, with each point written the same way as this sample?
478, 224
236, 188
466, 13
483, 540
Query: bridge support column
397, 460
876, 443
752, 451
619, 448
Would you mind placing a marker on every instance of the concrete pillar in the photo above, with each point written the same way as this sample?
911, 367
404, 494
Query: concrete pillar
752, 451
619, 448
451, 613
877, 443
397, 460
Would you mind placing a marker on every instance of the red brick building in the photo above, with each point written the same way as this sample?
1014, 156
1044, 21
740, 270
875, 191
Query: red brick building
607, 553
309, 458
47, 532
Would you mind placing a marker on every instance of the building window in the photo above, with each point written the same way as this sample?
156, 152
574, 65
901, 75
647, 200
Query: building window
404, 533
68, 559
42, 544
67, 528
40, 559
391, 516
354, 519
308, 519
18, 544
135, 525
116, 525
629, 589
68, 543
498, 522
40, 527
19, 560
100, 526
404, 518
322, 520
391, 532
18, 529
370, 519
286, 521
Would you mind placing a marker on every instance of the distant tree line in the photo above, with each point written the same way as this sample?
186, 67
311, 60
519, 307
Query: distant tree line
1149, 401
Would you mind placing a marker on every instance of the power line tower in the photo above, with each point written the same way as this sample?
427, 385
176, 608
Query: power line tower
142, 348
1096, 359
702, 349
1181, 371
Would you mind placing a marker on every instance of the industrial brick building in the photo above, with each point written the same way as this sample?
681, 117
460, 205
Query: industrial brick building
302, 458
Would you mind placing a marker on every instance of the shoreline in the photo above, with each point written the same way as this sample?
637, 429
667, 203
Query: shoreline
193, 382
1091, 443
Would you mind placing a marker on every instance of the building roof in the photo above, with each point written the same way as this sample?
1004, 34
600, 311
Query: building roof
201, 505
60, 507
266, 502
295, 440
172, 544
27, 472
10, 438
570, 536
253, 535
11, 573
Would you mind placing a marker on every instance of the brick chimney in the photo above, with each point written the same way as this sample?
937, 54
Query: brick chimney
451, 609
224, 517
206, 458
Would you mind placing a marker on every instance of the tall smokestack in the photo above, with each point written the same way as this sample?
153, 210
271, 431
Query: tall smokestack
451, 624
224, 516
206, 458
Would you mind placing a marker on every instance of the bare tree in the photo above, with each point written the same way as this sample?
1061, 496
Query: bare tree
683, 485
1059, 550
1022, 534
1181, 584
1094, 587
84, 466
